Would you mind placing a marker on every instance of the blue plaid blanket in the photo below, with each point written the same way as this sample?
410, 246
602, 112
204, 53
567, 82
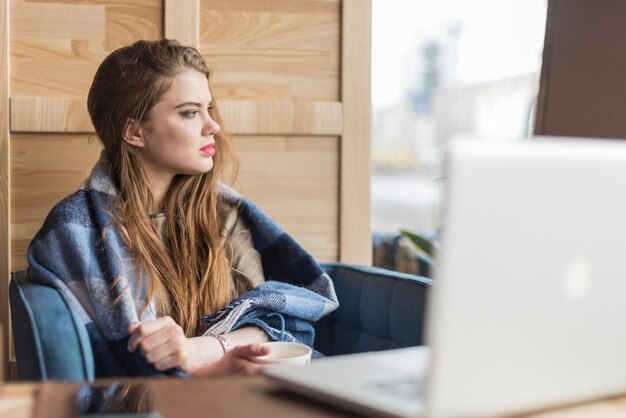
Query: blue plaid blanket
68, 253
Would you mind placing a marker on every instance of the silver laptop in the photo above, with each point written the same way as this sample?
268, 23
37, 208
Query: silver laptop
529, 306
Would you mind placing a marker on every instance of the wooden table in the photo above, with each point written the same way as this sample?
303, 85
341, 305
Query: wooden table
17, 400
230, 397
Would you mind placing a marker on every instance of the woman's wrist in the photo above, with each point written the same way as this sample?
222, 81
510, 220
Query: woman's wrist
223, 342
208, 350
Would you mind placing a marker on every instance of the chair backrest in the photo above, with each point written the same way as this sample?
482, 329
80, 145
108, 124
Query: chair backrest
50, 341
378, 310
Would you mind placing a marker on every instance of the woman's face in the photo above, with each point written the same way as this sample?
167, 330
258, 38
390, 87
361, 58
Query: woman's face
178, 136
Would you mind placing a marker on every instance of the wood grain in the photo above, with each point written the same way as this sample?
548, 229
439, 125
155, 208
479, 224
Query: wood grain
284, 6
77, 21
44, 169
271, 53
292, 82
182, 21
5, 213
46, 48
127, 22
50, 114
274, 172
355, 229
69, 114
295, 181
281, 117
50, 54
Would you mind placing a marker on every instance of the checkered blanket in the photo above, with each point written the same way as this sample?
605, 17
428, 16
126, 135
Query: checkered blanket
69, 254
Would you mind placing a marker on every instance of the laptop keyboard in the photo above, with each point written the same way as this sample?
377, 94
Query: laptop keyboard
408, 388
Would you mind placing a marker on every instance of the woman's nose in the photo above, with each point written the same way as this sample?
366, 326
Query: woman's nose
210, 127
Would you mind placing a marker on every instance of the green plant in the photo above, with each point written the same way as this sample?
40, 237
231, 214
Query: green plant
420, 242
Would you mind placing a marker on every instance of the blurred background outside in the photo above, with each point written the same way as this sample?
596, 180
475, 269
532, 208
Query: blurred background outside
441, 70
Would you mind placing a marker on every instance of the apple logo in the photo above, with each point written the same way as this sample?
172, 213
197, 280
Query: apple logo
577, 279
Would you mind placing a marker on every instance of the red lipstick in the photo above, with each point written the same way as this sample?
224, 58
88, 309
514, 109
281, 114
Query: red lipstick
208, 150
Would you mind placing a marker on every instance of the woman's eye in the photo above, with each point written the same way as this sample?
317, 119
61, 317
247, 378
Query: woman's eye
210, 110
189, 113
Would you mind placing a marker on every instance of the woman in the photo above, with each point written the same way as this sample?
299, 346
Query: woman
168, 268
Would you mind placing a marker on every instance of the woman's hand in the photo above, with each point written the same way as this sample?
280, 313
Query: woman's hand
236, 361
164, 344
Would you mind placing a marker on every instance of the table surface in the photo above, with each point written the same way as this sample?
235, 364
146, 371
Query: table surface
230, 397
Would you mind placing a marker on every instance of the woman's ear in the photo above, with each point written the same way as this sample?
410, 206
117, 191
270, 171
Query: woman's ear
133, 133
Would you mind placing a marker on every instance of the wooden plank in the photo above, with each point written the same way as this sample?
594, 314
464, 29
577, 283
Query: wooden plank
281, 117
46, 48
69, 114
44, 64
182, 21
129, 21
242, 73
355, 229
5, 213
74, 21
295, 181
267, 53
270, 30
51, 77
274, 173
289, 165
286, 6
44, 169
50, 114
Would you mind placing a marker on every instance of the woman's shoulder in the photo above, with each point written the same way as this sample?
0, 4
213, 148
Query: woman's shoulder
228, 211
77, 209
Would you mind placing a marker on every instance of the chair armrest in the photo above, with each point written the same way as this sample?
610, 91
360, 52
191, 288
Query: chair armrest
50, 341
378, 310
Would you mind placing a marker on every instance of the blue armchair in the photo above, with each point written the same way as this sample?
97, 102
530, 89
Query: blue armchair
379, 310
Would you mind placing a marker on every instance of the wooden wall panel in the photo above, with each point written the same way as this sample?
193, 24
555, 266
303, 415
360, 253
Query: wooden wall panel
44, 169
59, 44
69, 114
182, 21
355, 233
274, 172
5, 343
50, 114
292, 82
295, 180
272, 50
74, 21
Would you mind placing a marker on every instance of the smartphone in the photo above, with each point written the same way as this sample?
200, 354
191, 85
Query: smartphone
118, 399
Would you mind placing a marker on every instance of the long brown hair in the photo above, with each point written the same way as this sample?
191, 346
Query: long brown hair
188, 274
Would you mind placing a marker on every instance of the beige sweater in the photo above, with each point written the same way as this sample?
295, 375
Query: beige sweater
247, 271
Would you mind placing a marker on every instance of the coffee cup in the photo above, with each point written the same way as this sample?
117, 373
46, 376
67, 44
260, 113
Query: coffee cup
285, 353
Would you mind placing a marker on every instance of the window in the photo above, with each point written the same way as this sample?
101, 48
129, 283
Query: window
440, 70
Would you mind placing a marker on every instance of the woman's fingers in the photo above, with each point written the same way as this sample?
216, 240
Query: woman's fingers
237, 361
171, 361
250, 350
140, 331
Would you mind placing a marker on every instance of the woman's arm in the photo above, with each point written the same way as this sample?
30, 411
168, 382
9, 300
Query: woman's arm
163, 344
235, 361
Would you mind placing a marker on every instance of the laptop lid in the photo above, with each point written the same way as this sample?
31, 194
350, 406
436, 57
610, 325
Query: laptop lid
528, 308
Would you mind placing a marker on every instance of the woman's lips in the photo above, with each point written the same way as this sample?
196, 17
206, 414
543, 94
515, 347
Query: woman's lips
208, 150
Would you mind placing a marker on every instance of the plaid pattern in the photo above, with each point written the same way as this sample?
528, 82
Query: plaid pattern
96, 276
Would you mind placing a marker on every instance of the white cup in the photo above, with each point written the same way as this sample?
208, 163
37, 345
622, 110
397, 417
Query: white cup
286, 353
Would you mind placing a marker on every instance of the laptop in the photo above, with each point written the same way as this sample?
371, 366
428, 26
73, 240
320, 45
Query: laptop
528, 308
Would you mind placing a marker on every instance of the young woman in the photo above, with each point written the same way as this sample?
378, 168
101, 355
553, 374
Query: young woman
168, 268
